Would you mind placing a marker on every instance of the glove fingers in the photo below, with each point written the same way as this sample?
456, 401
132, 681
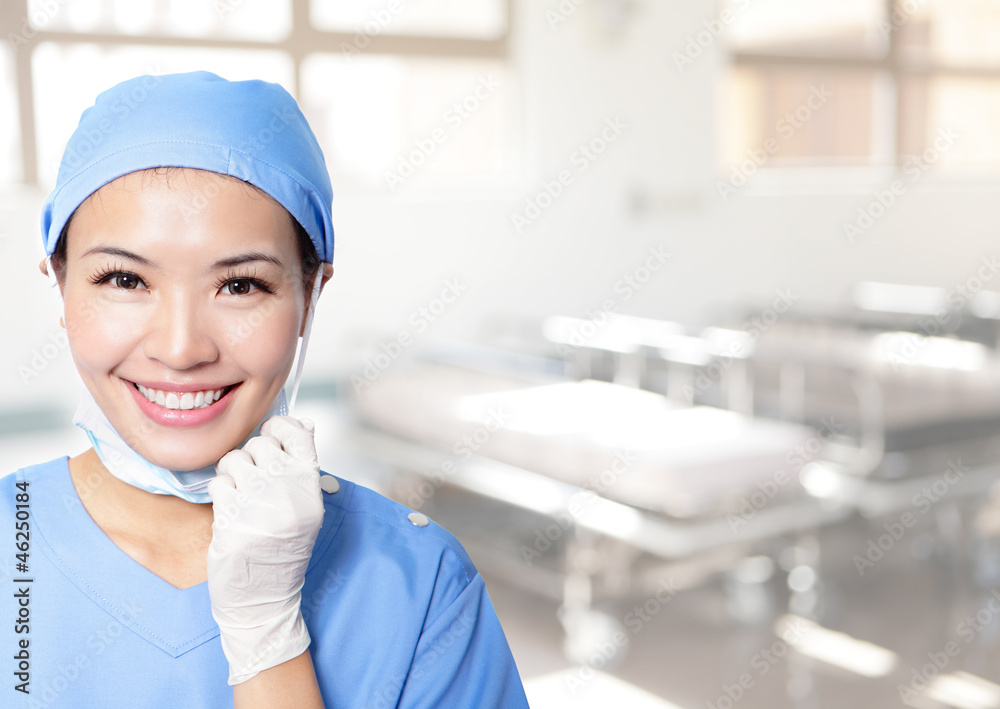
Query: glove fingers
267, 455
221, 488
226, 501
238, 465
295, 439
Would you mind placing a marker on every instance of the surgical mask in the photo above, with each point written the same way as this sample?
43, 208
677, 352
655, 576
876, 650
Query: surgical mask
127, 465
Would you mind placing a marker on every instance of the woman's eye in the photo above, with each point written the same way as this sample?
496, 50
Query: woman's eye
126, 281
239, 286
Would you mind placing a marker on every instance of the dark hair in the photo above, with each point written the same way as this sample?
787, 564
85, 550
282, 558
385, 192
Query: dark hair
307, 250
307, 254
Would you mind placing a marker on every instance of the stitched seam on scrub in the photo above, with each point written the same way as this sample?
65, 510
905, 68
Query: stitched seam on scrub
67, 570
413, 530
324, 543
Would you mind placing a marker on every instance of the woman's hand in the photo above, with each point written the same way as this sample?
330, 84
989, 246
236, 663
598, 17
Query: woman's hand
268, 510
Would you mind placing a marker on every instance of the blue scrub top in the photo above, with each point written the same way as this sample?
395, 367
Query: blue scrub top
398, 614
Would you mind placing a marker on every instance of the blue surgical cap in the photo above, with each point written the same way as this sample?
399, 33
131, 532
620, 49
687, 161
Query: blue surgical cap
252, 130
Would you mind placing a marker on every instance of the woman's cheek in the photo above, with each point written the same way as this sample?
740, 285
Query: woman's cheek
244, 325
264, 337
102, 333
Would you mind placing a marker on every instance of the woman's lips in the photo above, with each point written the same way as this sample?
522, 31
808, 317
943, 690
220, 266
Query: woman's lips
181, 418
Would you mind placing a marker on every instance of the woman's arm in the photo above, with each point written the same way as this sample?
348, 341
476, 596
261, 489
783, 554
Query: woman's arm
290, 685
268, 509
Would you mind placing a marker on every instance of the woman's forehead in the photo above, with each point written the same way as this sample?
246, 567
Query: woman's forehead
183, 209
181, 177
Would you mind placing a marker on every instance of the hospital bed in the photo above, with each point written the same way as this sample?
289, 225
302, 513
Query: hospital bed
594, 491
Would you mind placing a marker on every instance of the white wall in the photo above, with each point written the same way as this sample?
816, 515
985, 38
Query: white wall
394, 256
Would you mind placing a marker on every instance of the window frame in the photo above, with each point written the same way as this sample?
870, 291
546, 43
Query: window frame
894, 65
302, 40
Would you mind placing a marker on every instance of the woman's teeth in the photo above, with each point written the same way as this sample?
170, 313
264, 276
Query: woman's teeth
182, 400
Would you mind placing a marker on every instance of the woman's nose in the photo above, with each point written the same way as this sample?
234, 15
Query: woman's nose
178, 335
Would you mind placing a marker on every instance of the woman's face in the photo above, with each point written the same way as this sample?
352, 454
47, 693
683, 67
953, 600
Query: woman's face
184, 284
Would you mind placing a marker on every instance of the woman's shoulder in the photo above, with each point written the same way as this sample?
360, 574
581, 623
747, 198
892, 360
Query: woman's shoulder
357, 509
37, 470
362, 527
21, 480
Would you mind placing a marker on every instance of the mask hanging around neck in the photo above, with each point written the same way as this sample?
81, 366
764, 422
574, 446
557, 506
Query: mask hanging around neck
127, 465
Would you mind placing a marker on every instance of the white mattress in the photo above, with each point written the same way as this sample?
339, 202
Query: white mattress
671, 457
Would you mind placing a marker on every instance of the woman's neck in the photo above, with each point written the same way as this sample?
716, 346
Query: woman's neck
166, 534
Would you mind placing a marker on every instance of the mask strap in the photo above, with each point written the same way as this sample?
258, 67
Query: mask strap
300, 356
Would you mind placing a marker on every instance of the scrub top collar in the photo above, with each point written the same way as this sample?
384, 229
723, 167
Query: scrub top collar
173, 619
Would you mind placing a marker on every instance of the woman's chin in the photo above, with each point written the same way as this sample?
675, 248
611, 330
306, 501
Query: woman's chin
181, 464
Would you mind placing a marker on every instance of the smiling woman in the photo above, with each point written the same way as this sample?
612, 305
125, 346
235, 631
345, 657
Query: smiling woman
150, 286
190, 239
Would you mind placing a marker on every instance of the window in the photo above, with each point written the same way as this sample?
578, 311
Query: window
377, 79
484, 19
263, 20
863, 83
108, 64
391, 123
10, 134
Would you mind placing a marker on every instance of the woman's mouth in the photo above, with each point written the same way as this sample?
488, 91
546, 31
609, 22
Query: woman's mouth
181, 408
184, 401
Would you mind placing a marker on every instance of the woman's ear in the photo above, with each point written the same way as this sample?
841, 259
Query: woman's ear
43, 267
327, 274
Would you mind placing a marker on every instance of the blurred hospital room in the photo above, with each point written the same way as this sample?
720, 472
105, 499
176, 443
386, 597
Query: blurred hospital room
684, 317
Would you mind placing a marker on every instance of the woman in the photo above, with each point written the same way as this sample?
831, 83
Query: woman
196, 556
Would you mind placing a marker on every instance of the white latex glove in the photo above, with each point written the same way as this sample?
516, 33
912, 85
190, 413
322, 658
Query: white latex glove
268, 510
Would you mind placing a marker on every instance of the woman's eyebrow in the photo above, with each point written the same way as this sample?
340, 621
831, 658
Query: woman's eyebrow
247, 257
228, 262
117, 251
